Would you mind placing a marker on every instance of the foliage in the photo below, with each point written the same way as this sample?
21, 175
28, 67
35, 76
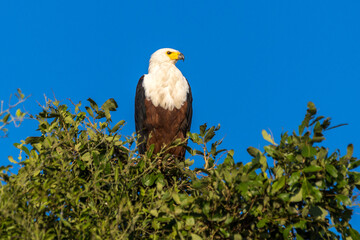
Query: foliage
6, 115
82, 179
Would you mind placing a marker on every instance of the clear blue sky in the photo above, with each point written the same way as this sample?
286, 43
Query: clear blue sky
252, 65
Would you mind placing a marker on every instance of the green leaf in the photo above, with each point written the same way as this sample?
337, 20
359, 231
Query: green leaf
253, 151
116, 174
278, 185
287, 232
190, 221
312, 168
107, 114
298, 237
69, 120
33, 140
318, 139
18, 113
77, 106
86, 157
344, 199
268, 137
279, 171
26, 150
225, 233
284, 196
349, 151
90, 111
354, 165
229, 220
5, 119
176, 197
93, 104
148, 180
229, 160
109, 105
263, 163
203, 129
311, 107
354, 234
11, 159
316, 120
100, 114
206, 208
66, 223
309, 115
242, 187
189, 162
195, 138
237, 236
20, 94
306, 189
294, 178
271, 150
117, 126
155, 224
316, 193
5, 168
262, 223
331, 170
195, 236
209, 135
308, 151
150, 150
301, 224
302, 127
154, 212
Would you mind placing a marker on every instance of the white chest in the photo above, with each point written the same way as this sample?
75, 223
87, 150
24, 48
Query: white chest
166, 87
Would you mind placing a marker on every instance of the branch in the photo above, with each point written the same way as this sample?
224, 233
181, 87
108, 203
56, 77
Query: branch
7, 114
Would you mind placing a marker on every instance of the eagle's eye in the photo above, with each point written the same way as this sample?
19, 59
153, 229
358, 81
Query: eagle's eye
168, 53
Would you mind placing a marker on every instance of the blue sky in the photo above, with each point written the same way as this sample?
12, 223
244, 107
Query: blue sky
252, 65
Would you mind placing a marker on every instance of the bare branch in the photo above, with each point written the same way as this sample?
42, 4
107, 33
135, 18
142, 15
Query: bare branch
7, 114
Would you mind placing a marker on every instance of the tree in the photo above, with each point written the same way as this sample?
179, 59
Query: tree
82, 179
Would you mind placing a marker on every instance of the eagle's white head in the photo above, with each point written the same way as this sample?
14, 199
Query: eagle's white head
165, 85
166, 55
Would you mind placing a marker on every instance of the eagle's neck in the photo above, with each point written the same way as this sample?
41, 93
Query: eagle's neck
165, 86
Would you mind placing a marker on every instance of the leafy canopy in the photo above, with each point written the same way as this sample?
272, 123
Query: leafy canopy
81, 179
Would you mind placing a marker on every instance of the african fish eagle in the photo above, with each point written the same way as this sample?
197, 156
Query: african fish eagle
163, 104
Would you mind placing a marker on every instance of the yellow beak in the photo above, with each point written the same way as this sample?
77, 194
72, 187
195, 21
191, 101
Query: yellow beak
177, 56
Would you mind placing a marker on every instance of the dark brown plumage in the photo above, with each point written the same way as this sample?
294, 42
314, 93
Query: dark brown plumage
163, 125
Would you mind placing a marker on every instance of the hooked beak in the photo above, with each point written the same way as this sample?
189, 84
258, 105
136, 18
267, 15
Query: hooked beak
181, 57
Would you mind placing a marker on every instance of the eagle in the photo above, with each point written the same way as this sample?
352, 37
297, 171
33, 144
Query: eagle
163, 104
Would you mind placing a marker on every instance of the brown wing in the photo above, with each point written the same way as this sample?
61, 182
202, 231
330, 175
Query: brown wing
186, 125
140, 116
